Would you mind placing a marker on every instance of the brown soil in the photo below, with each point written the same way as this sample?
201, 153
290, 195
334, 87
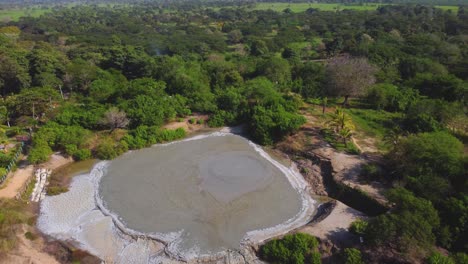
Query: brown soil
16, 180
187, 125
334, 227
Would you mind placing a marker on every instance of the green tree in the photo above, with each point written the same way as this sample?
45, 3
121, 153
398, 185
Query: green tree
292, 249
409, 227
348, 76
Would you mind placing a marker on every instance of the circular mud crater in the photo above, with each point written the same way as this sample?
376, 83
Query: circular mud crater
201, 197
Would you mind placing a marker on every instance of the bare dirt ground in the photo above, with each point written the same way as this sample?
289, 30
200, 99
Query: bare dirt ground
28, 251
346, 168
335, 226
187, 125
15, 181
56, 161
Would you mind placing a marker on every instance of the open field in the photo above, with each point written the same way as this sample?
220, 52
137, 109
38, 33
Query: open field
15, 14
301, 7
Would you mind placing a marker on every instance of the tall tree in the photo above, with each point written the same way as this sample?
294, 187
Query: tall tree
348, 76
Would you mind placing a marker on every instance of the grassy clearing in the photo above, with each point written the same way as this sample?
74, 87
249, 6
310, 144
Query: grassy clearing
15, 14
446, 8
373, 123
301, 7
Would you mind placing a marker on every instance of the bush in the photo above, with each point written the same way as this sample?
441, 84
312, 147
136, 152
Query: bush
222, 118
134, 142
437, 258
70, 149
292, 249
106, 150
39, 153
82, 154
421, 123
358, 227
56, 190
352, 256
30, 236
269, 125
388, 97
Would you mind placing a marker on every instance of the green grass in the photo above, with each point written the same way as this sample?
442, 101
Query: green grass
27, 193
373, 123
338, 144
15, 14
301, 7
445, 8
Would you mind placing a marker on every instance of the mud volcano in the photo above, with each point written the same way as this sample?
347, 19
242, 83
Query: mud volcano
200, 197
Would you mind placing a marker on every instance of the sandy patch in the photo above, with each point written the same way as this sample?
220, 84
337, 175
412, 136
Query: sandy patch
187, 125
56, 161
16, 181
29, 252
335, 226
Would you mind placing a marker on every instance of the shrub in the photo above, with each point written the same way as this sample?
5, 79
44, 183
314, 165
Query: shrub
82, 154
106, 150
70, 149
30, 236
39, 153
134, 142
352, 256
221, 118
358, 227
56, 190
292, 249
437, 258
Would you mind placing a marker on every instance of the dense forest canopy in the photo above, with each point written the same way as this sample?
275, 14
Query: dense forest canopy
97, 80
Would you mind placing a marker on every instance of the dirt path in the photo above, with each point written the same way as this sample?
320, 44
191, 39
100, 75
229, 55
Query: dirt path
15, 181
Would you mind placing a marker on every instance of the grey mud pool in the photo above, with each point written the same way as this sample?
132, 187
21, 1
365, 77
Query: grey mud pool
200, 198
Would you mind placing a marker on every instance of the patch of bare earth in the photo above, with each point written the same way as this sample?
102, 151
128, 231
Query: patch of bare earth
334, 227
187, 125
15, 181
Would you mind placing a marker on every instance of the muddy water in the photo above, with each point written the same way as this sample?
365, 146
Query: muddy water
214, 190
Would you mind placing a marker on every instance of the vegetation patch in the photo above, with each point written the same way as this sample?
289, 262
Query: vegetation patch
292, 249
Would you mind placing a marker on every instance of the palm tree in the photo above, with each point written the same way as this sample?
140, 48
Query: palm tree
345, 134
342, 125
340, 120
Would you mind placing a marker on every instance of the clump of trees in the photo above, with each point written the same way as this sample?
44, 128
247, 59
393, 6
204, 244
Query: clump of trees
297, 248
